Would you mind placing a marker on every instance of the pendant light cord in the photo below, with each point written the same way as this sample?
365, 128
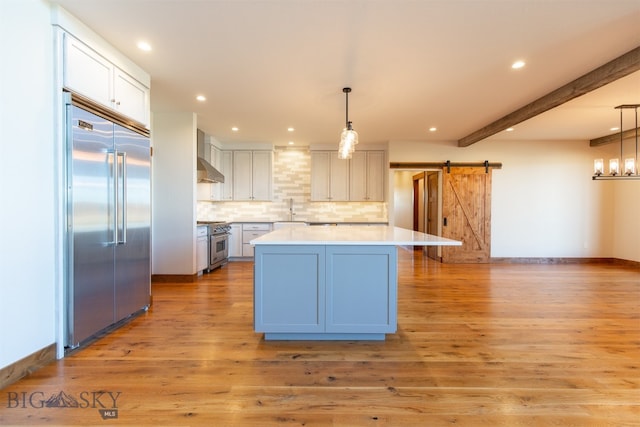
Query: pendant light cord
346, 91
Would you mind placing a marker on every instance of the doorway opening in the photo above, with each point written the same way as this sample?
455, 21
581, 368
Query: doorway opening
418, 204
453, 202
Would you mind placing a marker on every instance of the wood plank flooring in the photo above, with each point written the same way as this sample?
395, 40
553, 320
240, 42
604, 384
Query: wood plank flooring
477, 345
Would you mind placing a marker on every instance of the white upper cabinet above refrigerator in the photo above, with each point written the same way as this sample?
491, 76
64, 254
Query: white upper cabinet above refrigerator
90, 74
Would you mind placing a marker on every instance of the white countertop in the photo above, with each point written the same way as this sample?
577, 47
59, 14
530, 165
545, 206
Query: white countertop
353, 235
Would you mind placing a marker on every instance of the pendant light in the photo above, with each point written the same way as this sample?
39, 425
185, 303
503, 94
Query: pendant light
629, 168
348, 137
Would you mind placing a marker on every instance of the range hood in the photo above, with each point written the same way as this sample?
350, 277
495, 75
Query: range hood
207, 173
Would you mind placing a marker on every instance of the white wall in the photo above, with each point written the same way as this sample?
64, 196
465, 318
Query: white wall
626, 214
544, 203
27, 176
403, 199
174, 198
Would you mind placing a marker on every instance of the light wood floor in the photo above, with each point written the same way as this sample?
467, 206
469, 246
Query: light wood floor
477, 345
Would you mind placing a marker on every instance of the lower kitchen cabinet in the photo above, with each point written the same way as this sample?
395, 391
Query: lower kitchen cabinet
202, 248
333, 292
235, 241
252, 231
289, 281
361, 289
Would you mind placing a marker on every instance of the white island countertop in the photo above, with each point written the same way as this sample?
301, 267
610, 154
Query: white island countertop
352, 235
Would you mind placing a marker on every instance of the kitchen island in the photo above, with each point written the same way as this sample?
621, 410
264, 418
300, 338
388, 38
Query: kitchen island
330, 283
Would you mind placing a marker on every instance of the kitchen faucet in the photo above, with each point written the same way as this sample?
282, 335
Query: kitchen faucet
291, 213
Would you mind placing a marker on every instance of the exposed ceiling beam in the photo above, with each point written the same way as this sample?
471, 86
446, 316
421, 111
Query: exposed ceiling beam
614, 137
603, 75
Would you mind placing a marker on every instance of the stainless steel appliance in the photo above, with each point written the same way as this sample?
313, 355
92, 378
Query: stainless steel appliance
206, 171
108, 274
218, 243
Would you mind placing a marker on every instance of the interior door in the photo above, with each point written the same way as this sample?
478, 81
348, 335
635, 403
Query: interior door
466, 212
418, 202
432, 211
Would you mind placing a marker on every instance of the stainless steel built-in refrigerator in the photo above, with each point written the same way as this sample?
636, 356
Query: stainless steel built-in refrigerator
108, 220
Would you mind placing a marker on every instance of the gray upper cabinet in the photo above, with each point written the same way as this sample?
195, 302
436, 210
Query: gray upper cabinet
329, 177
226, 167
360, 179
252, 175
223, 161
366, 183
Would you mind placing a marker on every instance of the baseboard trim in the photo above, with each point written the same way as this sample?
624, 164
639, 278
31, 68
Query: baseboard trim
27, 365
626, 262
174, 278
615, 261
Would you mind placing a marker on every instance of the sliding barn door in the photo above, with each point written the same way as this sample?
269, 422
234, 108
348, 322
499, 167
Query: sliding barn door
466, 214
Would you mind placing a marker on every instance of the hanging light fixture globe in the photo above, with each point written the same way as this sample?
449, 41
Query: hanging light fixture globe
348, 137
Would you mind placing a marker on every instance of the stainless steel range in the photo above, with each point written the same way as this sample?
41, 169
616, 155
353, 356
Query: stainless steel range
218, 242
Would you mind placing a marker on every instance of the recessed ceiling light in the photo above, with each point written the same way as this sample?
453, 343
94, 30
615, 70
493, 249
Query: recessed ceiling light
290, 129
235, 129
517, 65
290, 142
142, 45
201, 98
509, 129
433, 129
613, 129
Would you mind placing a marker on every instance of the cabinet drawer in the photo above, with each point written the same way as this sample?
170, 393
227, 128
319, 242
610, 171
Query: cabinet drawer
264, 226
249, 235
202, 231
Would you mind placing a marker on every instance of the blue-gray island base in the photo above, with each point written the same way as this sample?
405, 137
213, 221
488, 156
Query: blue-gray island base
325, 292
330, 283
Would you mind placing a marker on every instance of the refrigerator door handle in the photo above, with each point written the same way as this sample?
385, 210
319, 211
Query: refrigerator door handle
122, 199
114, 212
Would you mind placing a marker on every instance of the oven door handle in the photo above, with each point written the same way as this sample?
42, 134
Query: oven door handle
220, 234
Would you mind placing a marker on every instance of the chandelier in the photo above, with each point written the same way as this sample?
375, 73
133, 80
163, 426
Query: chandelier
630, 165
348, 137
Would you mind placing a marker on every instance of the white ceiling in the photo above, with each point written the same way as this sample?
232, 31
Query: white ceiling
265, 65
